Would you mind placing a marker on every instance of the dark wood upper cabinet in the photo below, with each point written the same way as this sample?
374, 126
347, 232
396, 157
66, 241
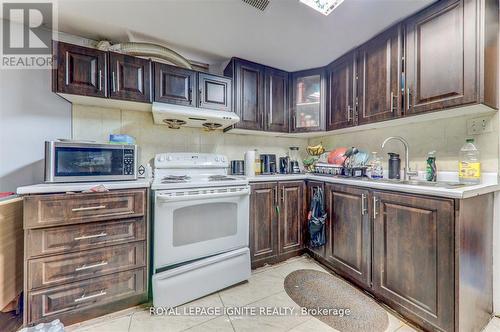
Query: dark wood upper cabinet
215, 92
276, 110
341, 93
80, 70
441, 57
175, 85
308, 100
263, 223
348, 248
291, 217
379, 77
248, 92
130, 78
414, 254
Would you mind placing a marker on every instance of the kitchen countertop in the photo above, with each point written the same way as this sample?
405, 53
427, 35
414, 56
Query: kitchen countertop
489, 185
46, 188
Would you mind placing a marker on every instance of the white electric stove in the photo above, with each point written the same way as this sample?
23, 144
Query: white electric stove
200, 228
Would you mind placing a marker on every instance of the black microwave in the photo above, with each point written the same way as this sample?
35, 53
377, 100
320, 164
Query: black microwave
90, 162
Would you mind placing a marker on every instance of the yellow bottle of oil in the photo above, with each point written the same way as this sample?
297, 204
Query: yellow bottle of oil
469, 166
258, 167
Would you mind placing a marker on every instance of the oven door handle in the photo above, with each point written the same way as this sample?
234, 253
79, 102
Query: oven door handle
167, 199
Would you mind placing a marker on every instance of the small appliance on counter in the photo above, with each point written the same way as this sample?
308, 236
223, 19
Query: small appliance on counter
78, 161
237, 167
293, 154
284, 165
268, 164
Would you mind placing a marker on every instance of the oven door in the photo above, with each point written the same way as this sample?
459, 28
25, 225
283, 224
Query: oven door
195, 223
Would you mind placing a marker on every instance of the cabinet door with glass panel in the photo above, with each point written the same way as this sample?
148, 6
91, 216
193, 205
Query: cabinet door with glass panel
308, 100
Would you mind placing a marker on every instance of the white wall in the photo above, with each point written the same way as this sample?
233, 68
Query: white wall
29, 115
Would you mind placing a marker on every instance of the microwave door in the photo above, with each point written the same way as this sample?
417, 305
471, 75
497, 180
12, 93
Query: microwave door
89, 163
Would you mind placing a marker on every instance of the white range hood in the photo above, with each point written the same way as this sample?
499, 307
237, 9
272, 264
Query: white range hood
176, 116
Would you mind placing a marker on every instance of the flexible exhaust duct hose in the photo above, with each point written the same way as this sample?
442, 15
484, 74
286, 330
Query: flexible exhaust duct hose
152, 50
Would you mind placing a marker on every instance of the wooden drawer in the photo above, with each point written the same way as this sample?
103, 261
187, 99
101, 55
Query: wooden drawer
60, 269
61, 300
61, 209
65, 239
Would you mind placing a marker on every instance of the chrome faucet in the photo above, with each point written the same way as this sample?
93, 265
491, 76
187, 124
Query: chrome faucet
407, 172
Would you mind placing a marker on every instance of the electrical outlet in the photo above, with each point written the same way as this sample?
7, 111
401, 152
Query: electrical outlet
479, 126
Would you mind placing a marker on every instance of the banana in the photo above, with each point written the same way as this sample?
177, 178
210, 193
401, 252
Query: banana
315, 150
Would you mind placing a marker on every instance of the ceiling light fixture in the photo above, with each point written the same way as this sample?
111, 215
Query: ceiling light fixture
325, 7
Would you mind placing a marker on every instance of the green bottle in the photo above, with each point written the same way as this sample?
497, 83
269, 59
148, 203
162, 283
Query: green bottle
431, 170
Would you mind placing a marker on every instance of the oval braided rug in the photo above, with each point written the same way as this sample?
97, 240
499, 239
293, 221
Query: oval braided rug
315, 289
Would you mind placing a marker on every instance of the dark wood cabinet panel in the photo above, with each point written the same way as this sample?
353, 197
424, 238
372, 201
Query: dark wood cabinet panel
379, 72
263, 223
215, 92
130, 78
277, 117
248, 93
348, 248
60, 269
65, 239
291, 217
174, 85
441, 56
80, 70
414, 254
78, 301
342, 93
61, 209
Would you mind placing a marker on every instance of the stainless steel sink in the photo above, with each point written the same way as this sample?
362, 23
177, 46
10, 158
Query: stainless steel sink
442, 184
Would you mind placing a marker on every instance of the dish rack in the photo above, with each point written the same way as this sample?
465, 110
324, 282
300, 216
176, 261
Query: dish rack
339, 170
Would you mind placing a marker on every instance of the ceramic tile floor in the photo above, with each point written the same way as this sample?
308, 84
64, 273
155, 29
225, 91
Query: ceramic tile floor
264, 288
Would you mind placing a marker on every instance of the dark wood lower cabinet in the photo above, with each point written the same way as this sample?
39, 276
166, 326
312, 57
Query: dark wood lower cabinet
428, 258
81, 262
291, 217
263, 223
413, 250
348, 247
277, 219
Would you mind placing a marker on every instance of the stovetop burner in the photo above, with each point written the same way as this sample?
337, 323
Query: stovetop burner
220, 178
176, 179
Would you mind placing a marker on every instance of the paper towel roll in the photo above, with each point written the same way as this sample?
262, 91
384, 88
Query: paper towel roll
250, 163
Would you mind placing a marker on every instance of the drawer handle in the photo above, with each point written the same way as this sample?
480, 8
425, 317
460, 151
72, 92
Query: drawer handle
85, 237
89, 297
87, 267
88, 208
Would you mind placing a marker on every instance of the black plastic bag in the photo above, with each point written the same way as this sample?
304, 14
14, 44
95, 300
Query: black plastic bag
316, 220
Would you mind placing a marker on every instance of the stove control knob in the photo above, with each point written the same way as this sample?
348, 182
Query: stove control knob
169, 158
161, 158
217, 159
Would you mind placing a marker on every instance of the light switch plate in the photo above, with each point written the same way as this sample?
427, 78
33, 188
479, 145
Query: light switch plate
479, 126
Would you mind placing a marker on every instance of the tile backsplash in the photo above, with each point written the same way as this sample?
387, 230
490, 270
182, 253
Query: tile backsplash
96, 123
446, 136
